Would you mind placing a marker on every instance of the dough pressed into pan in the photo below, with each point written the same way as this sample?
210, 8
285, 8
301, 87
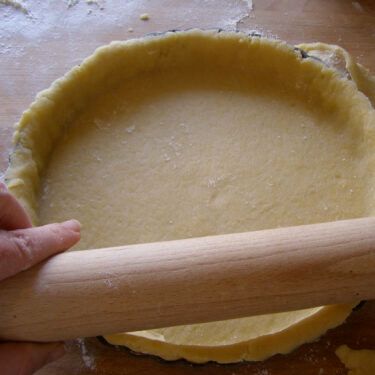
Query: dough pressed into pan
198, 133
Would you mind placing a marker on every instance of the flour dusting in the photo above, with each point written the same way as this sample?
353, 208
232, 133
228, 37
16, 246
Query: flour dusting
87, 358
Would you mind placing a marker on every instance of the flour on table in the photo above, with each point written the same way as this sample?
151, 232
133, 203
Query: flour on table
87, 358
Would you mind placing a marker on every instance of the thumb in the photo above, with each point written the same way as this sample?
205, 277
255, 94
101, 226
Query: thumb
26, 358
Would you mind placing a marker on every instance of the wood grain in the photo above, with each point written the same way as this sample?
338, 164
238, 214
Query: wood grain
34, 53
228, 276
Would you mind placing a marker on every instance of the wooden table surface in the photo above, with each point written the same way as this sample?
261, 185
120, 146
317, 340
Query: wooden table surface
41, 43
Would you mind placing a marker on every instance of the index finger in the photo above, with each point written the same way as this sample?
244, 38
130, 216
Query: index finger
23, 248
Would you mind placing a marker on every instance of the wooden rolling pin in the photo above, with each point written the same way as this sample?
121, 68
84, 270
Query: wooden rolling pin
127, 288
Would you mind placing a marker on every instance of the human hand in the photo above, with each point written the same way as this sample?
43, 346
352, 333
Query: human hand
21, 247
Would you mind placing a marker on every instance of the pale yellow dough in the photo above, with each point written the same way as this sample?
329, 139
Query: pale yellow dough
199, 133
358, 362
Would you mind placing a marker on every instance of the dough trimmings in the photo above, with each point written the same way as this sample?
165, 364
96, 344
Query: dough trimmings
301, 107
357, 362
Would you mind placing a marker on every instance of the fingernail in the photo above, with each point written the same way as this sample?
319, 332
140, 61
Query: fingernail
57, 353
72, 225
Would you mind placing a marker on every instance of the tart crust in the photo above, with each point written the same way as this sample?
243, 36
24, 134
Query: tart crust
263, 64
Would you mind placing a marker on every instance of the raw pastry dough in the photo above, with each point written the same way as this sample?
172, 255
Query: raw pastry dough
199, 133
358, 362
